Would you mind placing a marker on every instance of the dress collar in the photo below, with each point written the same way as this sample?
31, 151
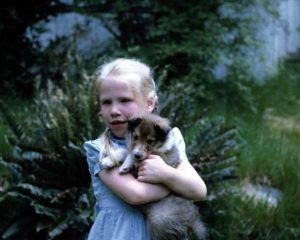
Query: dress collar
118, 140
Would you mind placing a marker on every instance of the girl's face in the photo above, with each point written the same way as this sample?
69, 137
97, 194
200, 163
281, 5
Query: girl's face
118, 103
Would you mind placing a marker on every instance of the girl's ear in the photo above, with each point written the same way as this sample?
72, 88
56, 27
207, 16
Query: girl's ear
150, 104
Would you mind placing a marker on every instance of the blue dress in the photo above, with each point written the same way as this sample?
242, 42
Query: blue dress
115, 219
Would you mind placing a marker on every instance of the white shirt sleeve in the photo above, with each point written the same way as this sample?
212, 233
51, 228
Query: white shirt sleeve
179, 141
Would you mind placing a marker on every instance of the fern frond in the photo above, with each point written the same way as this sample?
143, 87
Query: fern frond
31, 155
17, 227
212, 150
11, 195
59, 229
207, 164
14, 169
42, 210
220, 175
12, 122
37, 191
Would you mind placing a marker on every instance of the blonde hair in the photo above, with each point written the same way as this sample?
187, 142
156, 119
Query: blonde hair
137, 76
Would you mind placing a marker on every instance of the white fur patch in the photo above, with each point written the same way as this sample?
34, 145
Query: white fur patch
170, 141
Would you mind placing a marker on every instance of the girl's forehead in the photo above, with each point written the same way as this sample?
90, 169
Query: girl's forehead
113, 86
114, 82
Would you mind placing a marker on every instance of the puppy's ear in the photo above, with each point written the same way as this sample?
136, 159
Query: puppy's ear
133, 123
162, 132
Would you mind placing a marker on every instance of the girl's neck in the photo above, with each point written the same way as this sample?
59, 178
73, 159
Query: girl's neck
114, 138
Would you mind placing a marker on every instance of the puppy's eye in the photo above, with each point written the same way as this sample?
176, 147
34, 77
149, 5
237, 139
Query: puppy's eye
135, 137
150, 141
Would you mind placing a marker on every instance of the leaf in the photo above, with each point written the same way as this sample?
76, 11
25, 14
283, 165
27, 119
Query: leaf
14, 168
75, 147
12, 122
58, 230
44, 210
31, 155
37, 191
17, 227
219, 175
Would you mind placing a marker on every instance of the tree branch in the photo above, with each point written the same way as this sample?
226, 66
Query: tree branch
97, 8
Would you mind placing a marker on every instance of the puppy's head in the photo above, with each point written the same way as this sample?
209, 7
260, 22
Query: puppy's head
146, 133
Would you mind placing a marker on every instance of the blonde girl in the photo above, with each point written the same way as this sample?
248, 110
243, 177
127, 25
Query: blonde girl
126, 87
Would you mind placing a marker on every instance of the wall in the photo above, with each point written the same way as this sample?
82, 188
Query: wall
282, 36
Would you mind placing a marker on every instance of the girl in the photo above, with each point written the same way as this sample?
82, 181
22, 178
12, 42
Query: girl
126, 87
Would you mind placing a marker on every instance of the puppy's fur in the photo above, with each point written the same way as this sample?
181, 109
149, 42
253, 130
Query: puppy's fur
172, 217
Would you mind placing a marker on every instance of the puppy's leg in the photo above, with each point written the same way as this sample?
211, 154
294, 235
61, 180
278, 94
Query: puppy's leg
107, 162
127, 165
172, 217
199, 229
120, 155
167, 218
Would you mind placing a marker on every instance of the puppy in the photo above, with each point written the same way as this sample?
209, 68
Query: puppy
156, 137
160, 141
172, 217
150, 134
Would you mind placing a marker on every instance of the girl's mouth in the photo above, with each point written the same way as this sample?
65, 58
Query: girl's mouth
116, 123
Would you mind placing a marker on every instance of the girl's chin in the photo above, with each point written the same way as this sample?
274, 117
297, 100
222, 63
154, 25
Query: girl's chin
119, 132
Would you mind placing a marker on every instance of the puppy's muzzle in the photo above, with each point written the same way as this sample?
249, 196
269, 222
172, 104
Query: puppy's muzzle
138, 156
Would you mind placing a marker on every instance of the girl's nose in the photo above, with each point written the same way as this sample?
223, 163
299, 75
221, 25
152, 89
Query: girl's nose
115, 109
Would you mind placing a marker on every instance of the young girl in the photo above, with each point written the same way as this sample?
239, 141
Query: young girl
126, 87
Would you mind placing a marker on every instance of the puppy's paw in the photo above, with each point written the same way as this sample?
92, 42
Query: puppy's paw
127, 165
107, 163
123, 170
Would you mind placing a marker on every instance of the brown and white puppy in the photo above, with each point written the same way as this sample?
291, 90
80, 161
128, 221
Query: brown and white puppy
150, 134
172, 217
147, 134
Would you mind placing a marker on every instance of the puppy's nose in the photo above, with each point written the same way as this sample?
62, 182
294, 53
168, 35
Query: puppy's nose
138, 156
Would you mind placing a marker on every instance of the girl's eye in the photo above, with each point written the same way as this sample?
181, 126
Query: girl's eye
105, 102
125, 100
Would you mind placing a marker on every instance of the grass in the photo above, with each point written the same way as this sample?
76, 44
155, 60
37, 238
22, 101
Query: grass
271, 156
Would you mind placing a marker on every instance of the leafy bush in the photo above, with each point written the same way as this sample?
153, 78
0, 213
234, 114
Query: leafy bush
46, 178
193, 39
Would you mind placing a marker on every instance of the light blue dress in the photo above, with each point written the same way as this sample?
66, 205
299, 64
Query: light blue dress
115, 219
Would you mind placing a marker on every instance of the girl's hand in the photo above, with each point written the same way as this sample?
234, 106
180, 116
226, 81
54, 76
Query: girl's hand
183, 180
153, 169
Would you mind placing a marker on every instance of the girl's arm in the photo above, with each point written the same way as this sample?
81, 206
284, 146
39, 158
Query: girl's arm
130, 189
184, 180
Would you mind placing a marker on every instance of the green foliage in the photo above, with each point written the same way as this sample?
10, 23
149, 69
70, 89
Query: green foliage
192, 38
188, 40
19, 55
212, 145
22, 55
46, 180
269, 157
